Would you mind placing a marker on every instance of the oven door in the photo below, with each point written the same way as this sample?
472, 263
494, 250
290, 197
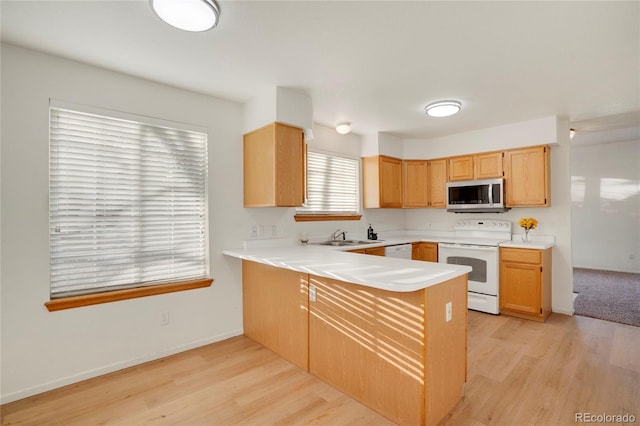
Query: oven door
483, 261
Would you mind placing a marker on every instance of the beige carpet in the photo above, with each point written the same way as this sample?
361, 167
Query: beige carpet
607, 295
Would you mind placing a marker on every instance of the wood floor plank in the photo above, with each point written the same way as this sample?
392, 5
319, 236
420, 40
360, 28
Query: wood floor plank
520, 372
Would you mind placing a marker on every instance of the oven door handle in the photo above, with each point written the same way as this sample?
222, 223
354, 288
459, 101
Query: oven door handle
468, 247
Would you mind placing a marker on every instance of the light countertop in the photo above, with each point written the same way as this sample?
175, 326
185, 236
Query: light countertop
386, 273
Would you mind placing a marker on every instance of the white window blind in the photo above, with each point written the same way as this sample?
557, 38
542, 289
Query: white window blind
332, 184
127, 203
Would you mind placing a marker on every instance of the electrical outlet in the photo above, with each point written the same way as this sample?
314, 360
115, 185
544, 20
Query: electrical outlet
164, 318
312, 293
260, 230
448, 313
274, 230
253, 231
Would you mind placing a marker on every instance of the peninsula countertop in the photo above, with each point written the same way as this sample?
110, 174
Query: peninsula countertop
386, 273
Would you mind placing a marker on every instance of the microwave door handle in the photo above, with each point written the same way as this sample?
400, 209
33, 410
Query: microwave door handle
490, 194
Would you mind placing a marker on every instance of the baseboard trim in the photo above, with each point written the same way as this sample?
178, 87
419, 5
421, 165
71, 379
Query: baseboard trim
600, 268
25, 393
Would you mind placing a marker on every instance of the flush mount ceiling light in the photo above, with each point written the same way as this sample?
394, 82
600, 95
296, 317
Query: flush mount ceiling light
343, 128
443, 108
188, 15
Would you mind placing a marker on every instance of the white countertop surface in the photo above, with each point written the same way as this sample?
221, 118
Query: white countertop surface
385, 273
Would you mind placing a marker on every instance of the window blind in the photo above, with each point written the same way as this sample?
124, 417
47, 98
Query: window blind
332, 184
127, 203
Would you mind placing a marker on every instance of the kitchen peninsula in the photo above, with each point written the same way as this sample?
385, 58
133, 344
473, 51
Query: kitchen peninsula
388, 332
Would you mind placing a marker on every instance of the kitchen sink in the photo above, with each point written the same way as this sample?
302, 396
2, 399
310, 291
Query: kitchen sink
339, 243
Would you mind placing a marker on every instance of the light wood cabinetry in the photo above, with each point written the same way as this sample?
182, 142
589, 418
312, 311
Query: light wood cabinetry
416, 188
525, 283
461, 168
527, 177
488, 165
382, 182
275, 310
392, 351
424, 183
424, 251
477, 166
375, 251
274, 166
438, 183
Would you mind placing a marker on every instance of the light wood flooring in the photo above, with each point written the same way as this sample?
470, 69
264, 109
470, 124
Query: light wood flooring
520, 373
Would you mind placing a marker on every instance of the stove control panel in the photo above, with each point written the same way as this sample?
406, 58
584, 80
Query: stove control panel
483, 225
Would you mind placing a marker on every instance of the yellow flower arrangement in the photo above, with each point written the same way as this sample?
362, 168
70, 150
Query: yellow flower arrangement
528, 223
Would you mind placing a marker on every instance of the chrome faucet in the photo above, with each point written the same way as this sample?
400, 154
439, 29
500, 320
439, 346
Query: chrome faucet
337, 233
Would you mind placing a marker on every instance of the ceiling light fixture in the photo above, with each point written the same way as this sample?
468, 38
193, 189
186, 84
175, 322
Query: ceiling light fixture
188, 15
443, 108
343, 128
572, 133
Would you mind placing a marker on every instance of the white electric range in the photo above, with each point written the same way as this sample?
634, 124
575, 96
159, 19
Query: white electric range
475, 243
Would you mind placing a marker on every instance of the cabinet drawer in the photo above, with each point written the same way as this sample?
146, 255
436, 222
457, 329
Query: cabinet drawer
521, 255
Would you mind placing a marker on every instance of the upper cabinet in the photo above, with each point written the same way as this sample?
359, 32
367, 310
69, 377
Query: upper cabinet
274, 166
382, 182
488, 165
424, 183
527, 177
478, 166
461, 168
416, 188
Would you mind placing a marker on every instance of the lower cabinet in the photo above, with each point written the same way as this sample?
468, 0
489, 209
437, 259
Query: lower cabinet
375, 251
525, 283
424, 251
275, 310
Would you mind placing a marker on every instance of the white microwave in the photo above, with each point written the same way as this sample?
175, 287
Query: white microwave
476, 196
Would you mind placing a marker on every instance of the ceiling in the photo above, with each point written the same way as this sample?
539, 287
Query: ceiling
376, 64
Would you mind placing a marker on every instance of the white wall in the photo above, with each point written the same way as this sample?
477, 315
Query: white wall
43, 350
606, 206
554, 220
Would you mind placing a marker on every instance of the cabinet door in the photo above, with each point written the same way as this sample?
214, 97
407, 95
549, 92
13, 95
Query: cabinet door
290, 162
274, 166
376, 251
390, 182
438, 183
527, 177
488, 165
424, 251
461, 168
274, 310
520, 288
415, 175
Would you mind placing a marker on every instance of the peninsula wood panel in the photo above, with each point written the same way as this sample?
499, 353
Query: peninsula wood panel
446, 347
369, 343
275, 310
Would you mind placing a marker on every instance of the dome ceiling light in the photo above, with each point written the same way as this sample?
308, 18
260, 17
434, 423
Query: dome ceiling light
343, 128
443, 108
188, 15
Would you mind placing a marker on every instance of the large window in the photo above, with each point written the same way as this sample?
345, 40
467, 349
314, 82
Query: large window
127, 203
332, 186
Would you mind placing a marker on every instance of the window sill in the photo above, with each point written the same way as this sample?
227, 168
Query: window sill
130, 293
325, 217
